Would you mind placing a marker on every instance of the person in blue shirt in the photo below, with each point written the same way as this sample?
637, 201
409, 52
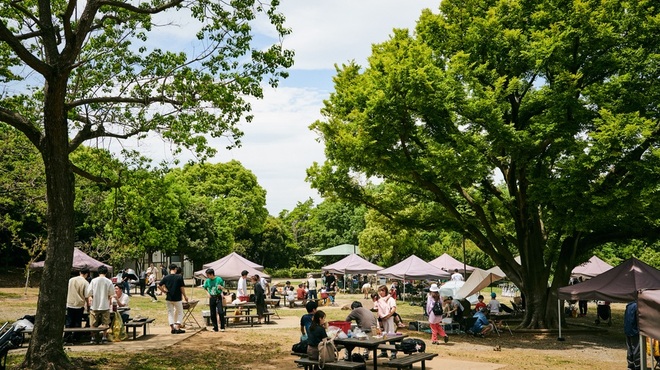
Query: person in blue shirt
481, 327
306, 320
631, 329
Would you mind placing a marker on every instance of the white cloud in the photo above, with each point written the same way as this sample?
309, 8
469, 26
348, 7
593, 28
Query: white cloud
277, 146
327, 32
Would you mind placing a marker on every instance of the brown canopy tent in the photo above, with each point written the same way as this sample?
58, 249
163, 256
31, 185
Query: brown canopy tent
622, 283
81, 260
619, 284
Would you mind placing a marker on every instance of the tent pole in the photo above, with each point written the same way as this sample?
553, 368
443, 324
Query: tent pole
642, 352
559, 338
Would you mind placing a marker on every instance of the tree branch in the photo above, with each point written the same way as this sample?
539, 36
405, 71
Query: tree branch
23, 125
129, 7
119, 99
14, 43
103, 180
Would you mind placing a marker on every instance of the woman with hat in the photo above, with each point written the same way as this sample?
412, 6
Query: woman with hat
434, 310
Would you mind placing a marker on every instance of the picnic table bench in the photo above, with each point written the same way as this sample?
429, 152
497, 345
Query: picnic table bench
249, 319
90, 330
341, 364
409, 360
136, 324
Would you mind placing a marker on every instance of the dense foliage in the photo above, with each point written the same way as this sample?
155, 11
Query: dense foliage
529, 126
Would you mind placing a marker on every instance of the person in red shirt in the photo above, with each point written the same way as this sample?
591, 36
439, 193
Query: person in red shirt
479, 304
300, 292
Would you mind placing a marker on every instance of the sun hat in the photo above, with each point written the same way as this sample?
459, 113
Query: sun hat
434, 288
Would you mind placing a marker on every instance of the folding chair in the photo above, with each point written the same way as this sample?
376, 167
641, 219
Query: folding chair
188, 316
502, 323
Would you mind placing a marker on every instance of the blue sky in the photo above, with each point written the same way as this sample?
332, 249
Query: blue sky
278, 146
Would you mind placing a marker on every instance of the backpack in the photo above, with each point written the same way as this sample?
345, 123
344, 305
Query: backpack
327, 352
411, 345
437, 309
300, 347
356, 357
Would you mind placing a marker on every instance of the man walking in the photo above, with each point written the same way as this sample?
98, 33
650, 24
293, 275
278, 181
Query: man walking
99, 293
76, 301
214, 286
174, 288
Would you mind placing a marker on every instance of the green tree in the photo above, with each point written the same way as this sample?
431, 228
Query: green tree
234, 201
527, 126
22, 200
85, 71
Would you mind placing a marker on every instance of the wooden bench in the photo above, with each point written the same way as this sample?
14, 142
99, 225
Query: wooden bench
71, 330
250, 319
409, 360
136, 324
341, 364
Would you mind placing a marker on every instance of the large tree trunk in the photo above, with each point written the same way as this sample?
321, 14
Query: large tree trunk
46, 351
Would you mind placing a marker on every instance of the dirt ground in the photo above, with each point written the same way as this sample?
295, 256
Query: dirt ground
586, 346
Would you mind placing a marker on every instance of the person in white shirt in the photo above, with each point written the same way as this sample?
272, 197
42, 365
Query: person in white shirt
311, 286
456, 276
99, 294
242, 290
291, 296
493, 305
121, 300
76, 302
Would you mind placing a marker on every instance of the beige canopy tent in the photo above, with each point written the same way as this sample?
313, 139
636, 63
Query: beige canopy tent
477, 281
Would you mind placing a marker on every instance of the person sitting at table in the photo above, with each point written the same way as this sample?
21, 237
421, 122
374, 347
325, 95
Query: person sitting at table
306, 319
480, 304
291, 297
323, 293
365, 320
301, 293
494, 304
481, 327
274, 293
121, 300
316, 334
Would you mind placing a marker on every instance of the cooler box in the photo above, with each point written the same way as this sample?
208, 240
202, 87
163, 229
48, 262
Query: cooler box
345, 326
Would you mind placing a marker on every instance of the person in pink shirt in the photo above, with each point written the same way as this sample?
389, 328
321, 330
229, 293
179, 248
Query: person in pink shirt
434, 310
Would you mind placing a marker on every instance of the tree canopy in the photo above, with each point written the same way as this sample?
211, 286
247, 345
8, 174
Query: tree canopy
529, 126
90, 72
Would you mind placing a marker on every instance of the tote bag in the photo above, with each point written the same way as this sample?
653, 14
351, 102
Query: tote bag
327, 352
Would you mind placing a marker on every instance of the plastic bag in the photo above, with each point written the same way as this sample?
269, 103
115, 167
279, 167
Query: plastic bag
118, 330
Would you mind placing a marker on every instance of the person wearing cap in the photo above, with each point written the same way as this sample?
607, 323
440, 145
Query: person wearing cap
494, 304
435, 321
241, 289
214, 286
481, 327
